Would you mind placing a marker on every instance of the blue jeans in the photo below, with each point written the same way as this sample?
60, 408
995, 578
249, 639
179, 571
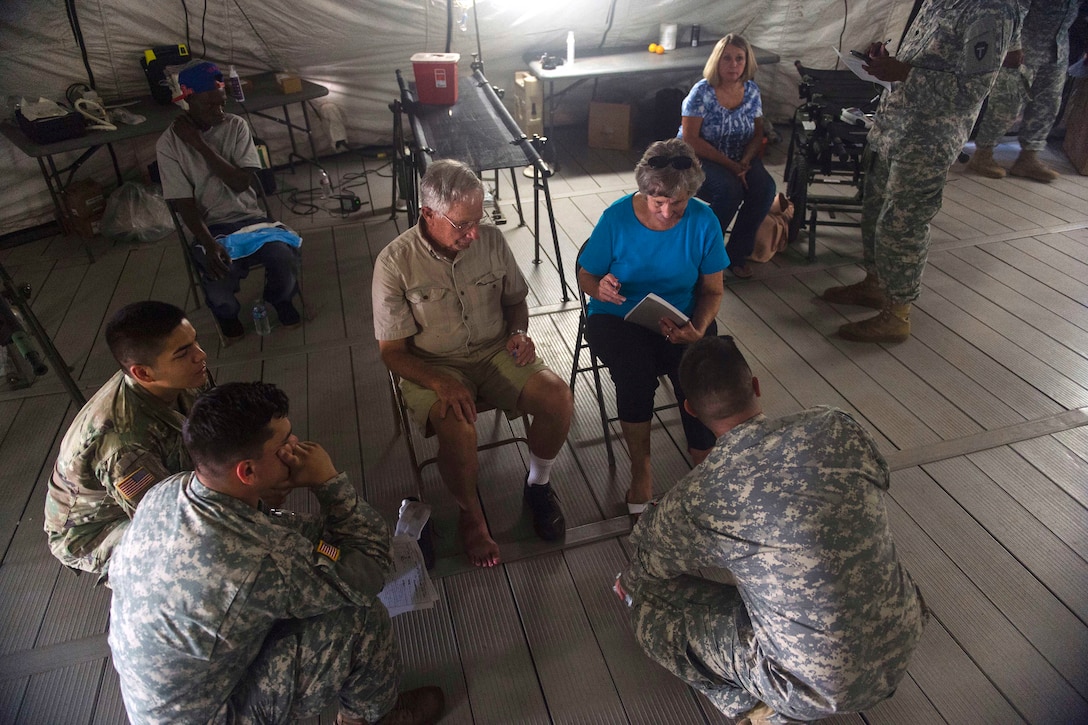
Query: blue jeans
280, 282
726, 194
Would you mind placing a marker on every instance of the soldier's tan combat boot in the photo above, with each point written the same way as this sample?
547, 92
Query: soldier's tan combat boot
891, 325
866, 293
761, 714
1029, 166
983, 164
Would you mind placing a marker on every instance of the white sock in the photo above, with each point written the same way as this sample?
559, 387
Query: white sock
540, 470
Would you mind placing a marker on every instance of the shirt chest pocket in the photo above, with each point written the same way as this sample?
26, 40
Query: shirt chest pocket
485, 293
436, 309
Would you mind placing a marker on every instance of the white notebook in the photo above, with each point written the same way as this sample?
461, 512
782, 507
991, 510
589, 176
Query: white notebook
651, 309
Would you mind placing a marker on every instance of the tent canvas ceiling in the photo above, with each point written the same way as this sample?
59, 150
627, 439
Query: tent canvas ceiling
354, 46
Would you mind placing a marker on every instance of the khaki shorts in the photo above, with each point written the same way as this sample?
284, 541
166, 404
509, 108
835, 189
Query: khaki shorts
491, 374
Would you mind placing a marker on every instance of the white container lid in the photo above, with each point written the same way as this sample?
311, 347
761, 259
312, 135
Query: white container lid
436, 58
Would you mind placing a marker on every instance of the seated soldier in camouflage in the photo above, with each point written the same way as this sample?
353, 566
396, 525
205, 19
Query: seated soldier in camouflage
818, 616
228, 609
127, 437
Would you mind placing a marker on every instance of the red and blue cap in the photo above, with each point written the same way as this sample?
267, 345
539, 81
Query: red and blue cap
198, 78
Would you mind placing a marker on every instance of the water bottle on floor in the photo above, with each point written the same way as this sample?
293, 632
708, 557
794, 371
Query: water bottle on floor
260, 318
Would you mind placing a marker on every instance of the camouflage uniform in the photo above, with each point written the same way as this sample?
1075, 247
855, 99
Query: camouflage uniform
823, 617
1045, 40
224, 613
122, 442
955, 48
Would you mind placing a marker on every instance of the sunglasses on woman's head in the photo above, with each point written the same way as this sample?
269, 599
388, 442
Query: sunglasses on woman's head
677, 162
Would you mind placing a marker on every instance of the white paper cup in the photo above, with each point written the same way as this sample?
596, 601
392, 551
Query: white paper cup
668, 36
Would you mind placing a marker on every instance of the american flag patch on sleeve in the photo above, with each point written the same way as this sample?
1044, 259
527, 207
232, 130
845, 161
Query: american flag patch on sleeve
328, 550
135, 483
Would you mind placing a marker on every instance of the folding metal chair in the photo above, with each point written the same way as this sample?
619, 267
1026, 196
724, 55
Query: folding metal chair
194, 270
405, 426
595, 366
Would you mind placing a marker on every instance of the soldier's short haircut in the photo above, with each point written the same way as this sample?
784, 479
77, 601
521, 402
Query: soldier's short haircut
716, 378
448, 183
230, 423
137, 332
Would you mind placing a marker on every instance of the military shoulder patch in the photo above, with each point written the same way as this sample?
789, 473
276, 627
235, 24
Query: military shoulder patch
328, 550
982, 40
135, 484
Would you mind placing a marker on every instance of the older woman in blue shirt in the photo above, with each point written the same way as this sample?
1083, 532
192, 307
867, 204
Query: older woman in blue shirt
658, 240
722, 119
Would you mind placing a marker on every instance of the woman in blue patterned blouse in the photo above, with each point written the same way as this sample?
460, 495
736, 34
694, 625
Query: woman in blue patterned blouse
723, 122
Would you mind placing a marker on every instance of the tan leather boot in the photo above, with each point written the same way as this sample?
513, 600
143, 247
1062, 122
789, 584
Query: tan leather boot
761, 714
866, 293
1029, 166
983, 164
892, 324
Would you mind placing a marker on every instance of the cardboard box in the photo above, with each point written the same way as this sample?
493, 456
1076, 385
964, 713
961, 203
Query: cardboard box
610, 126
436, 77
84, 203
528, 104
289, 83
85, 199
83, 228
1076, 127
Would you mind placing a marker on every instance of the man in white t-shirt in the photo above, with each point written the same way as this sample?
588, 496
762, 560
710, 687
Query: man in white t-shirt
206, 161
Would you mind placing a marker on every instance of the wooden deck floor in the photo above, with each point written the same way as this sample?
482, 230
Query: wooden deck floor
983, 414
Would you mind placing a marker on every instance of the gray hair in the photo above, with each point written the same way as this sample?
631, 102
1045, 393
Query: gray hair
448, 183
670, 182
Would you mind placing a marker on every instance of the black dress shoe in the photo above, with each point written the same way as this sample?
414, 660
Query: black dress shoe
548, 518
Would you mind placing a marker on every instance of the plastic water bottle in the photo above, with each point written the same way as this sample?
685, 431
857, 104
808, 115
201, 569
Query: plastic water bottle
260, 318
234, 85
570, 47
326, 185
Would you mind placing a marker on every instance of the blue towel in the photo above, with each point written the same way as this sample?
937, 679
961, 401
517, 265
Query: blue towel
244, 243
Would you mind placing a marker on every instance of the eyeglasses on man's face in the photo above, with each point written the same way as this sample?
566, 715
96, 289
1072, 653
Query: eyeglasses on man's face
680, 163
463, 227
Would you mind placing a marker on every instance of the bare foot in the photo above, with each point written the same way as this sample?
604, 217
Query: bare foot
480, 548
342, 719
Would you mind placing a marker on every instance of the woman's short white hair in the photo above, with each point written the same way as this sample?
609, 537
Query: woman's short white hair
668, 180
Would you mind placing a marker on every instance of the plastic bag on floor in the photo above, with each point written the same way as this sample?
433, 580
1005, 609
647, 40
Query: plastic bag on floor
134, 213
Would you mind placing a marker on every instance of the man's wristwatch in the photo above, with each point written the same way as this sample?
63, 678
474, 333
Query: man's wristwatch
518, 332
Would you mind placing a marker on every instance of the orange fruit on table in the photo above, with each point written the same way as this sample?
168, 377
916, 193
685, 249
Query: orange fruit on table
660, 50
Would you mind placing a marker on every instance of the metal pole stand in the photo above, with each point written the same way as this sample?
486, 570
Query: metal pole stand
13, 334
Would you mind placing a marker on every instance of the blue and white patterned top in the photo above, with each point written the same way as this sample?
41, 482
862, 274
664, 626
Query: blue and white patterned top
729, 130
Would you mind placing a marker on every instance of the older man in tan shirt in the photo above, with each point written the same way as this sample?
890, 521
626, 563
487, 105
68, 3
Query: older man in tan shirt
451, 320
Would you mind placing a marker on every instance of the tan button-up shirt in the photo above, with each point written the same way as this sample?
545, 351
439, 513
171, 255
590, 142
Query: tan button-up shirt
447, 307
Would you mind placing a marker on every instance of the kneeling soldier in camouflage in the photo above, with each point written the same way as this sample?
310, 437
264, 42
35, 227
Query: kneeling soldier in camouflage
227, 609
127, 437
819, 616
